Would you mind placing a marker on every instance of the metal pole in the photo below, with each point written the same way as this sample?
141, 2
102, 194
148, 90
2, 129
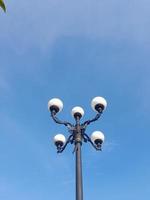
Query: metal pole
79, 184
78, 143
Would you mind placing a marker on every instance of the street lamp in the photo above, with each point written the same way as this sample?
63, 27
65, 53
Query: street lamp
77, 133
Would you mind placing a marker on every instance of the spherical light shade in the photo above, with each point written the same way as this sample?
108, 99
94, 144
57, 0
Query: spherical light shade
77, 111
59, 138
98, 102
97, 136
55, 104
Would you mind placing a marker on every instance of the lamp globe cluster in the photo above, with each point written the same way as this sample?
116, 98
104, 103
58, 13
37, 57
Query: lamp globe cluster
98, 104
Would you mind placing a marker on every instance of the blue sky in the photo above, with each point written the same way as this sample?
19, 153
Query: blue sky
74, 50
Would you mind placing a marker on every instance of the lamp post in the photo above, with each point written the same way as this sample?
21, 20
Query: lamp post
78, 134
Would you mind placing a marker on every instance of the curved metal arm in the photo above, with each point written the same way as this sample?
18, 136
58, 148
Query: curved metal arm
70, 139
86, 123
58, 121
88, 139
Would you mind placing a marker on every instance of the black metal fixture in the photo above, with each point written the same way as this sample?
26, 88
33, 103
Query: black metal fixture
78, 134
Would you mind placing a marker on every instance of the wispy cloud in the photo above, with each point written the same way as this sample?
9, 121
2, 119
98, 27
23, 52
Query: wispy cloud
70, 181
110, 146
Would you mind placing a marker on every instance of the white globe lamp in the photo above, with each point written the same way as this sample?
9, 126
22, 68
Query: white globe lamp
77, 112
55, 104
98, 104
59, 140
97, 137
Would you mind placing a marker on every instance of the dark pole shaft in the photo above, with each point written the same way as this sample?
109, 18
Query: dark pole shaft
79, 184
